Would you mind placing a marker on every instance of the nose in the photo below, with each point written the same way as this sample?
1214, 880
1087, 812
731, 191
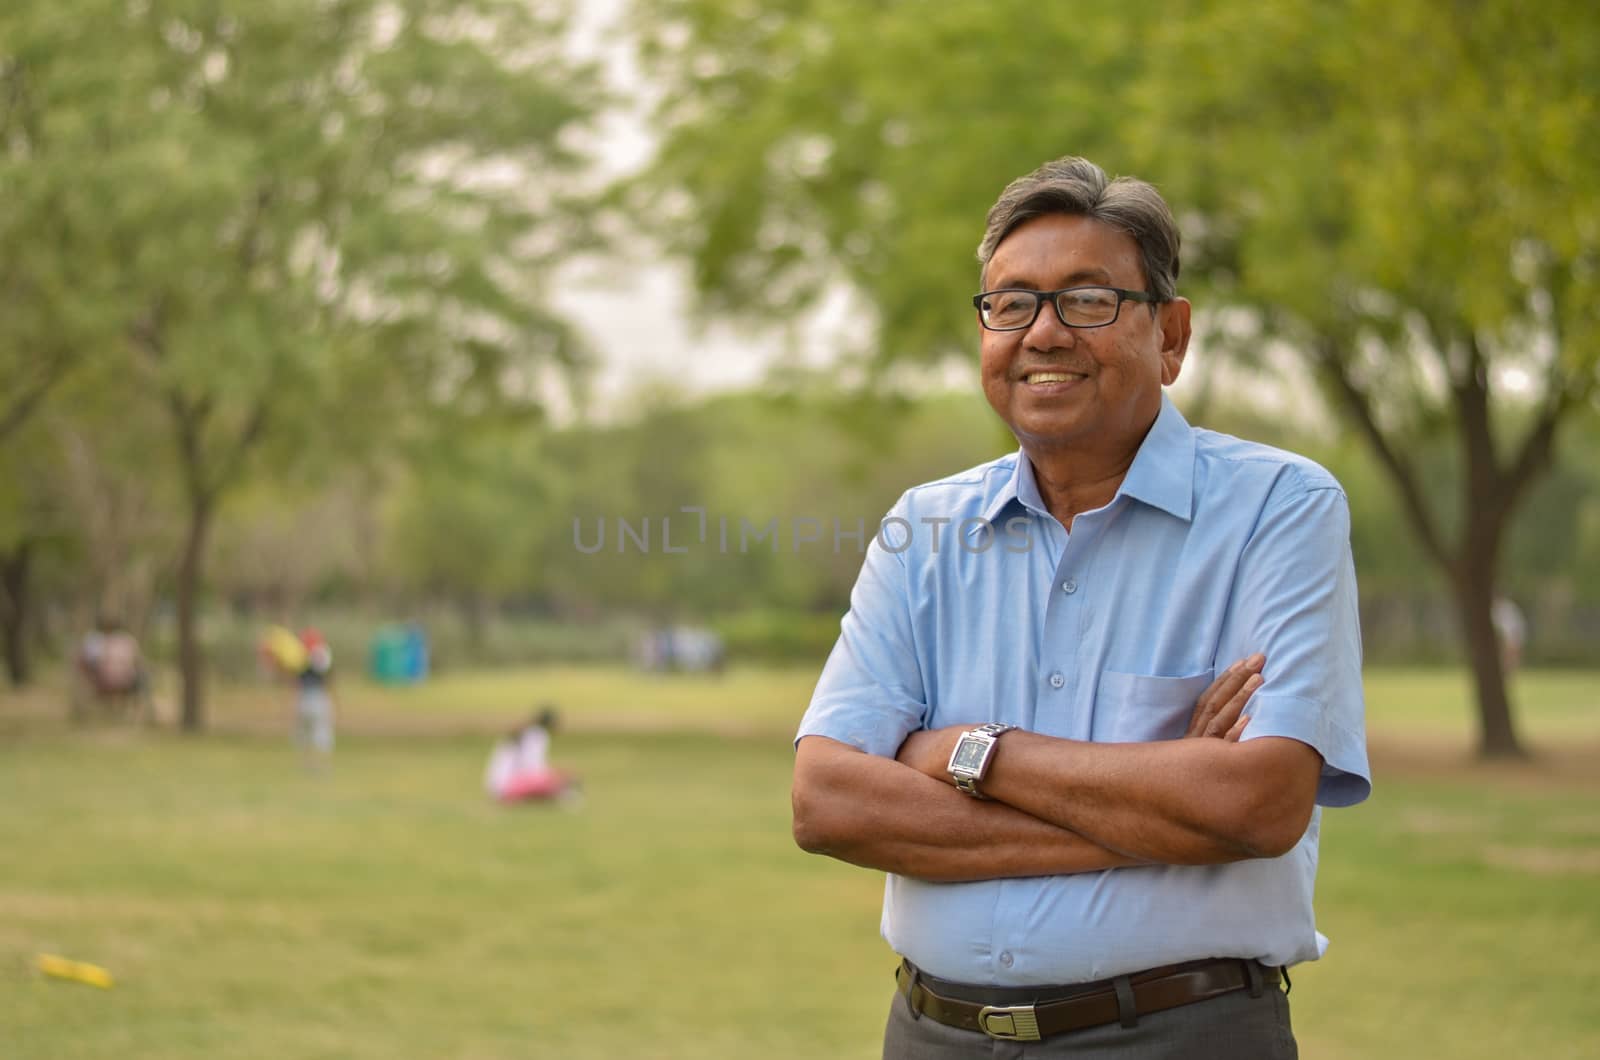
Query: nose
1047, 330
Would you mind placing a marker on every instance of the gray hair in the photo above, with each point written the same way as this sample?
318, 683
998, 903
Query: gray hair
1074, 185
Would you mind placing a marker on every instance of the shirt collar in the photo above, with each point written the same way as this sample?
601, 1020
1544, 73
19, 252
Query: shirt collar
1161, 475
1020, 487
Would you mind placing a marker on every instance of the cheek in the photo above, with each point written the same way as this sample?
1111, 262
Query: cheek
1131, 361
994, 358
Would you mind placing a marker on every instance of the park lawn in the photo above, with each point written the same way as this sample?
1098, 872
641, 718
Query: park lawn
387, 910
1427, 704
743, 699
1435, 704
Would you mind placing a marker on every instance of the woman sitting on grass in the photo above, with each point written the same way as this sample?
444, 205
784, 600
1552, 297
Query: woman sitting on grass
519, 768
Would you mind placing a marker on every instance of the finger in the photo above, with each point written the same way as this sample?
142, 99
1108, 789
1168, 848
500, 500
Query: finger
1216, 696
1231, 711
1232, 735
1209, 701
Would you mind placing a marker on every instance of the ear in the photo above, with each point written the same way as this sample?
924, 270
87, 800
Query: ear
1173, 317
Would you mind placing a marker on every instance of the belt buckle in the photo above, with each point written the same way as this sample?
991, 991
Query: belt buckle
1009, 1023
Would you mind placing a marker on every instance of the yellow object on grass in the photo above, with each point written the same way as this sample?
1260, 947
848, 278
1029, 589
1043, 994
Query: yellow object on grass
285, 649
78, 971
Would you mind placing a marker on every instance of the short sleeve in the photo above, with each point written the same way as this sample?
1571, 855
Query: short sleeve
870, 694
1295, 601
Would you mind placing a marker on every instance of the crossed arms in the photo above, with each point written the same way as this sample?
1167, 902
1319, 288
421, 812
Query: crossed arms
1061, 806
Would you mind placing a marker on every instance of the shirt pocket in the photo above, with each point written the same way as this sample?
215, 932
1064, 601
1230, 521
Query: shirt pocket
1130, 708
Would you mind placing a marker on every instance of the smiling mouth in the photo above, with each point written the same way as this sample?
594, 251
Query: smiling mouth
1052, 377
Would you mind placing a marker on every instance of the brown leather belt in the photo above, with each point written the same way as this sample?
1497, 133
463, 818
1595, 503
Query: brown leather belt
1087, 1005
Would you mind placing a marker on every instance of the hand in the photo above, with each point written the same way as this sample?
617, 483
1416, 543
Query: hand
928, 750
1219, 712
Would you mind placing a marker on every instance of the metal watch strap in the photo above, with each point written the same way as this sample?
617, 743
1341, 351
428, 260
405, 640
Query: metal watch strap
969, 786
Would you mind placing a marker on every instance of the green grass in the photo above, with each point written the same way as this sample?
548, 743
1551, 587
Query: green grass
1464, 924
745, 699
1552, 705
387, 910
1432, 704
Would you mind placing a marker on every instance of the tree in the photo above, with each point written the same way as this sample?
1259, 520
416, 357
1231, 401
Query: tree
1404, 195
1428, 240
87, 512
465, 512
21, 539
325, 218
59, 299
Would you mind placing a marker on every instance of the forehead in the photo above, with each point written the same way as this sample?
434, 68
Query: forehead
1059, 250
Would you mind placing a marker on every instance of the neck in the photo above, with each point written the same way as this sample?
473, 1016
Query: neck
1069, 488
1075, 478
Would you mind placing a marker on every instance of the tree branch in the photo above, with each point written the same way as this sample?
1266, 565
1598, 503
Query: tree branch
1359, 405
1564, 391
189, 417
254, 427
145, 331
1535, 455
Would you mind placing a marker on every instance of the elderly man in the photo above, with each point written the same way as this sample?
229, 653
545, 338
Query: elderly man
1002, 724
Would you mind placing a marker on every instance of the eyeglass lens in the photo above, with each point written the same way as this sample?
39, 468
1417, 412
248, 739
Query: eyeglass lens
1080, 307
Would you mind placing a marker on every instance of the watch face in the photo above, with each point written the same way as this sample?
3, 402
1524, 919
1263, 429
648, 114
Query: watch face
969, 755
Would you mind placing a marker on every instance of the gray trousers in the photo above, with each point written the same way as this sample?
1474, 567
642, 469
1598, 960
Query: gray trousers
1234, 1026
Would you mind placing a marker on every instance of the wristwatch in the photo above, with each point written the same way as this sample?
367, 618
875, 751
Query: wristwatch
970, 760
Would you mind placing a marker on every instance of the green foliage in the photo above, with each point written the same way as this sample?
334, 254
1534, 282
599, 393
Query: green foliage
813, 470
1401, 193
1342, 167
821, 137
469, 511
292, 208
303, 226
779, 636
1400, 188
475, 528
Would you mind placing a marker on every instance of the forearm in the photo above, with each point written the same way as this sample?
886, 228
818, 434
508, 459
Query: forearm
878, 813
1174, 801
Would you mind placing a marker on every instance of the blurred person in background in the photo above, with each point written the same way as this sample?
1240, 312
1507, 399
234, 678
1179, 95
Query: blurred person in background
314, 702
519, 767
1512, 628
110, 669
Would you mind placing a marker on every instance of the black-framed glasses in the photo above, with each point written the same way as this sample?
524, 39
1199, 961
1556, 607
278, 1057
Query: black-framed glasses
1016, 308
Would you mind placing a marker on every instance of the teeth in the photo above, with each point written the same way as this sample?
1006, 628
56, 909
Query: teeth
1051, 377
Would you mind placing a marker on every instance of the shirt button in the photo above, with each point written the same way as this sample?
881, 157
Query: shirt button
1069, 586
1005, 958
1056, 680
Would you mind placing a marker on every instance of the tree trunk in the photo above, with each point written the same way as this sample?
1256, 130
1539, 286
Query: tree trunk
1497, 736
191, 661
15, 612
1487, 506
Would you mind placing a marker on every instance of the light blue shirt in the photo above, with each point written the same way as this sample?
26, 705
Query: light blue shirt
974, 604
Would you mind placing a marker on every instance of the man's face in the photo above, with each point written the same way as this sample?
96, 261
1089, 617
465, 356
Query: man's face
1093, 391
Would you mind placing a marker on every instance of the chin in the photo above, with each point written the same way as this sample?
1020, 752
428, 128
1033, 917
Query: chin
1049, 435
